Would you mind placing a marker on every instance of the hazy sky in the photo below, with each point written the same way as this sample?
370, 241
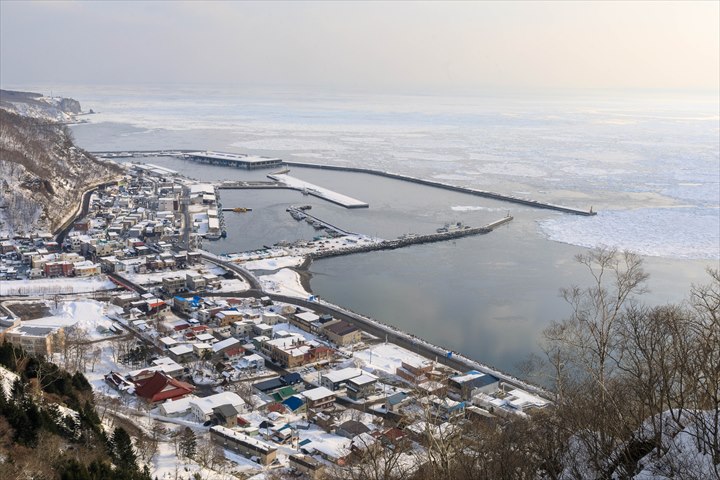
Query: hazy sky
364, 45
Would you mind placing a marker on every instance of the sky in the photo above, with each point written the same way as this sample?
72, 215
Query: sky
369, 46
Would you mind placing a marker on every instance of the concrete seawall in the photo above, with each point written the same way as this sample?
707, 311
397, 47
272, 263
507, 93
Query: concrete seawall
413, 240
446, 186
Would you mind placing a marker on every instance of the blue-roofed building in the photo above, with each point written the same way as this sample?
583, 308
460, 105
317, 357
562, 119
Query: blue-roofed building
294, 403
473, 382
395, 401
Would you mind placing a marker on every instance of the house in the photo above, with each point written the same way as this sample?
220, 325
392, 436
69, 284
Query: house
243, 444
181, 353
342, 333
319, 398
362, 386
473, 382
251, 362
447, 409
273, 384
351, 428
195, 281
228, 317
233, 354
336, 379
307, 465
203, 408
414, 371
174, 284
224, 345
395, 401
160, 387
296, 403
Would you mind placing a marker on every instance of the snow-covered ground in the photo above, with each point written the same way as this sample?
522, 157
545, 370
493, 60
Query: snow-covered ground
275, 263
284, 282
52, 286
86, 314
387, 357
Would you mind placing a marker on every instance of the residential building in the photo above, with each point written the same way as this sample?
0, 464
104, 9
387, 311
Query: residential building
336, 379
319, 398
307, 465
473, 382
243, 444
359, 388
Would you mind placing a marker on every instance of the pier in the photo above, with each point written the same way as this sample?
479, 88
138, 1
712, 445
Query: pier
300, 214
316, 191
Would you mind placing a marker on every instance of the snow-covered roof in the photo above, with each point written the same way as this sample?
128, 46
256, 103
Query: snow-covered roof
206, 404
345, 374
227, 343
364, 379
307, 317
181, 349
317, 393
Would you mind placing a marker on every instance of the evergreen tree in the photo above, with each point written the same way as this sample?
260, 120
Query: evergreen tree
188, 443
123, 451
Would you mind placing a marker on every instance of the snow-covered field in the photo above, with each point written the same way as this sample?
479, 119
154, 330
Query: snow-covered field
387, 357
90, 315
52, 286
274, 263
284, 282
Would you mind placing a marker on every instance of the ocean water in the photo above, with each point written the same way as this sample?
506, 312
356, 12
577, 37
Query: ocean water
649, 164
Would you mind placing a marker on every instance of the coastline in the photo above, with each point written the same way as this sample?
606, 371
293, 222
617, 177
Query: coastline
303, 271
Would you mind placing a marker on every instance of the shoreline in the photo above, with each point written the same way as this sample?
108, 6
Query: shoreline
303, 271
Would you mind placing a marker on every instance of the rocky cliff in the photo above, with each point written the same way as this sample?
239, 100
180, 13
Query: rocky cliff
43, 175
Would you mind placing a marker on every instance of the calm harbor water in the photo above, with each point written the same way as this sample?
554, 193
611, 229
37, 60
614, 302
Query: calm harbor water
649, 165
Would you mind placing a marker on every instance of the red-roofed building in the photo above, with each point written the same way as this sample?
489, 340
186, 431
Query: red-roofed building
234, 354
161, 387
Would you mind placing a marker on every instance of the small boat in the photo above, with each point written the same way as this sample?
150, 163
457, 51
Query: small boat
241, 210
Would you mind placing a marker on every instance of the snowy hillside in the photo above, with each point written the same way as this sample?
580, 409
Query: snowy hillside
42, 174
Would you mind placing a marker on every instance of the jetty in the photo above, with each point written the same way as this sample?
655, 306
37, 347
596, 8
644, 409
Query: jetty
320, 192
447, 186
408, 240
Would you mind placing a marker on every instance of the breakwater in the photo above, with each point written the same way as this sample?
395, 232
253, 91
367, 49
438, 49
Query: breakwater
407, 178
447, 186
411, 240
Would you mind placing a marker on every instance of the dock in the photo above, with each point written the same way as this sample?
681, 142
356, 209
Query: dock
300, 214
316, 191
